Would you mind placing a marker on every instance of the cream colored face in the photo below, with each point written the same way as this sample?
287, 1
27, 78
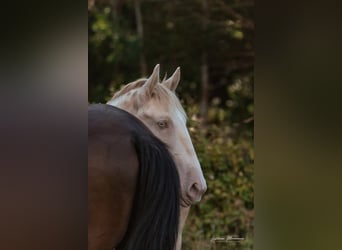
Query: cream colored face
156, 105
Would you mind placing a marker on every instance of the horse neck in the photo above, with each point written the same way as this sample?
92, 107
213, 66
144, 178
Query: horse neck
120, 102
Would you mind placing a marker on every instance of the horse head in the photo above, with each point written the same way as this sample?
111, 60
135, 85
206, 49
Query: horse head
157, 106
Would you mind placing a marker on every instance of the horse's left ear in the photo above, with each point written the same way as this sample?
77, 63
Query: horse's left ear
173, 81
151, 81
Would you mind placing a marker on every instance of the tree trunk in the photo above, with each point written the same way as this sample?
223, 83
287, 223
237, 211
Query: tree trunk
140, 30
204, 88
91, 4
204, 69
115, 9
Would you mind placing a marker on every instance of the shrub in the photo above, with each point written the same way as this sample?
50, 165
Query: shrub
226, 154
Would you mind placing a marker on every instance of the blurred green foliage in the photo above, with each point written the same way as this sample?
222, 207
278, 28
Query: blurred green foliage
226, 153
174, 35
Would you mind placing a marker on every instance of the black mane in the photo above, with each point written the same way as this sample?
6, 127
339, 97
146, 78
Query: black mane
155, 216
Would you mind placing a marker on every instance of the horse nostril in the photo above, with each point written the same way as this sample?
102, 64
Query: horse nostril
194, 188
196, 191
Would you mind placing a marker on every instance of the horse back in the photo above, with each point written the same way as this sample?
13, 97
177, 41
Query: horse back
112, 173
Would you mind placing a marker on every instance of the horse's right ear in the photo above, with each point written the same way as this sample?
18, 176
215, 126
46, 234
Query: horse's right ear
151, 82
173, 81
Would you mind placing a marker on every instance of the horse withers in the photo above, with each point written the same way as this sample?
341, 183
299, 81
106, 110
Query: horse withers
157, 106
133, 184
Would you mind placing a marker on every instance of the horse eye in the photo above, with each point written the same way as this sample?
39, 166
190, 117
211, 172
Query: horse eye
162, 124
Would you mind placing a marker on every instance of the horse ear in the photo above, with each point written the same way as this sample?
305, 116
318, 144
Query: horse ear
173, 81
151, 81
165, 77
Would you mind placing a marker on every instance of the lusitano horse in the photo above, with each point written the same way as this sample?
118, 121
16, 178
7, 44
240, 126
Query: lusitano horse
133, 184
156, 104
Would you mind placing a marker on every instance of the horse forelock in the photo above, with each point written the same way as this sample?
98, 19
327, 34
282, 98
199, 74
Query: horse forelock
165, 97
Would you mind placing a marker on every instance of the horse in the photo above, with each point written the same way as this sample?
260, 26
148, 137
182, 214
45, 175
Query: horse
155, 103
133, 184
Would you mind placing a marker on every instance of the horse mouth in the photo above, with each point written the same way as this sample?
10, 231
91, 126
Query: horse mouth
185, 203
